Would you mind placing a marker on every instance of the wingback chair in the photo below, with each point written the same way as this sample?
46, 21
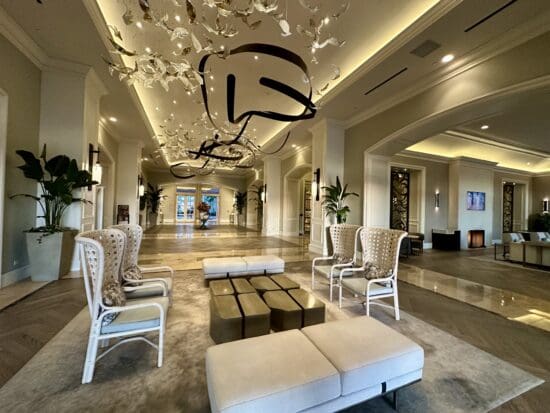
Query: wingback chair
134, 284
112, 316
377, 277
343, 238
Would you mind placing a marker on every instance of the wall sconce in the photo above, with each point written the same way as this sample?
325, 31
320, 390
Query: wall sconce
94, 168
436, 199
263, 194
141, 187
316, 182
545, 206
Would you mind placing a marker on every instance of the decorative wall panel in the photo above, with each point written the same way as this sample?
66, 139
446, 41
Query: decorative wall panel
508, 208
399, 202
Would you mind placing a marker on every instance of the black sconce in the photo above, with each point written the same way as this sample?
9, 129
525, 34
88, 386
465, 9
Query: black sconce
141, 187
317, 182
94, 168
545, 206
263, 195
437, 199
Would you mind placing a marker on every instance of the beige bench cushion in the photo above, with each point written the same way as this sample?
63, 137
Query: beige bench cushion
269, 264
365, 351
275, 373
220, 267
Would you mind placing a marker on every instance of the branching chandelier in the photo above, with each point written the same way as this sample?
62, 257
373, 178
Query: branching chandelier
209, 23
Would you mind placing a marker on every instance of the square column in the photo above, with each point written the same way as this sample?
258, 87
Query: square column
273, 198
327, 147
128, 168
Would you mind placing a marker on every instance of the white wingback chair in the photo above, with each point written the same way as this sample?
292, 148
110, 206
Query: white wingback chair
344, 245
378, 275
101, 255
134, 285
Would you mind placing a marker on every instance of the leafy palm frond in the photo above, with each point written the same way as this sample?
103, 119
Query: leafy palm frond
334, 198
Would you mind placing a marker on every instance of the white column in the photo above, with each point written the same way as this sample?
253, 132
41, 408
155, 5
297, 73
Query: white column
327, 155
376, 212
69, 121
127, 172
273, 198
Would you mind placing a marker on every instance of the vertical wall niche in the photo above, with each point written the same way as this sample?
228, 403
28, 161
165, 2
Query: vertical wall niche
399, 201
508, 207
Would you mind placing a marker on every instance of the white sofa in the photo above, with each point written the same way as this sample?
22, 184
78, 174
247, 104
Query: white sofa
322, 368
240, 266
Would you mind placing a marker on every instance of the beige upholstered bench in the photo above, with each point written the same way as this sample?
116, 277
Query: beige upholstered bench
241, 266
322, 368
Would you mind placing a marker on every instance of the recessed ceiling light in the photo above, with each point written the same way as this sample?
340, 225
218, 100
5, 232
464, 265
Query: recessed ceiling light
256, 57
148, 49
326, 20
447, 58
139, 25
211, 77
222, 47
211, 89
157, 108
528, 163
145, 159
180, 45
177, 17
113, 119
175, 102
484, 127
293, 145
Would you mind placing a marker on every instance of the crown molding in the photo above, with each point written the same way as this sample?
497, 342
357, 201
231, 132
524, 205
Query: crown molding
290, 154
512, 38
424, 156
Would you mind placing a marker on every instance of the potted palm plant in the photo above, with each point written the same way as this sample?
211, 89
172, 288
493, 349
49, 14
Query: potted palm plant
240, 202
334, 201
51, 246
153, 197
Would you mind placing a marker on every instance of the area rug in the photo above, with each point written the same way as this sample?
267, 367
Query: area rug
457, 376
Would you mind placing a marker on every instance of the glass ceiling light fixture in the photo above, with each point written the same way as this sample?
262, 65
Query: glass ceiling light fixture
206, 30
94, 168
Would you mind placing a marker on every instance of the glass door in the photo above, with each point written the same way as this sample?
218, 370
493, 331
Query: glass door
185, 205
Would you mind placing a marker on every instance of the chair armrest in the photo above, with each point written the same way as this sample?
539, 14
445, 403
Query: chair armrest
147, 280
350, 270
315, 260
160, 268
381, 280
113, 310
148, 285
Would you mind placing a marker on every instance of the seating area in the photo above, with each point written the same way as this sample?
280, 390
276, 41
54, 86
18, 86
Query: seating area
274, 206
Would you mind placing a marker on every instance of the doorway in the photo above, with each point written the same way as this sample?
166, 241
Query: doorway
185, 205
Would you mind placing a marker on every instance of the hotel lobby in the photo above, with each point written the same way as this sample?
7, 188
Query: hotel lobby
274, 206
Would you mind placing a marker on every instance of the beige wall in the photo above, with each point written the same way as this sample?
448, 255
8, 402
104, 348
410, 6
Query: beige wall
541, 191
20, 80
437, 179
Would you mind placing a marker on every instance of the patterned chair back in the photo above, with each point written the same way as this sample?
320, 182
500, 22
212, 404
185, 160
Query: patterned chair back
101, 255
381, 247
343, 238
134, 235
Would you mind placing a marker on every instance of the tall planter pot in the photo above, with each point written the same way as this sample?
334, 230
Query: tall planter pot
153, 218
50, 255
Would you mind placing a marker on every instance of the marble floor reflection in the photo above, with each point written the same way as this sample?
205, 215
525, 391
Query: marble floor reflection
522, 308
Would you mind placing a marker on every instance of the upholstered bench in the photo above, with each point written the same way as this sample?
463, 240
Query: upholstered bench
322, 368
241, 266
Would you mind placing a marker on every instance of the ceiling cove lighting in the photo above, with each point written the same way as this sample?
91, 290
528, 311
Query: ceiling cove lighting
447, 58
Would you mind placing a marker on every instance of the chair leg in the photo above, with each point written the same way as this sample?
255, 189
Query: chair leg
330, 287
339, 295
312, 279
396, 304
91, 355
367, 303
161, 347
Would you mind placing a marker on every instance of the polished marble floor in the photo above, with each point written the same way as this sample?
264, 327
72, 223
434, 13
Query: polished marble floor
464, 302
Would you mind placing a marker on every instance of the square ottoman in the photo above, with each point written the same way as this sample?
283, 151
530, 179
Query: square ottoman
368, 353
275, 373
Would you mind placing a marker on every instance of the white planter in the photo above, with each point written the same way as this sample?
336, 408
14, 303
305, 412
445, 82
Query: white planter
50, 255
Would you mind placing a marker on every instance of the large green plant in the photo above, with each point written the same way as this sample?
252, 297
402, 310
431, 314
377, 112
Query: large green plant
154, 196
240, 202
334, 199
540, 222
58, 178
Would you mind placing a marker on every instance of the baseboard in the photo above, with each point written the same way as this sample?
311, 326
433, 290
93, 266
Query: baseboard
428, 245
15, 276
